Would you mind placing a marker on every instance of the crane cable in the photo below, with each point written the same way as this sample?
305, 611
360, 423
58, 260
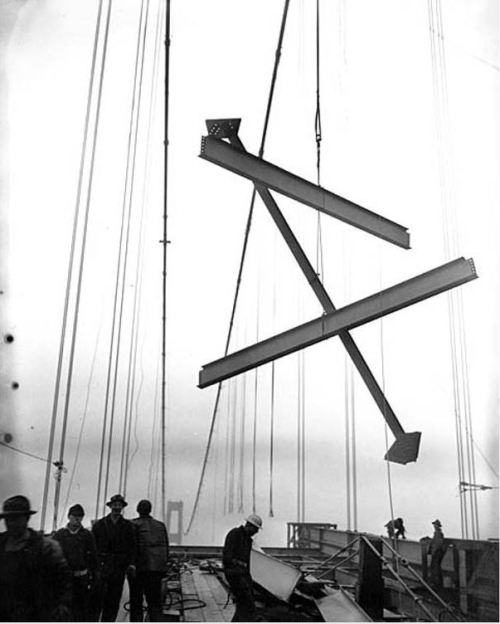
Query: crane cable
460, 375
131, 157
72, 253
125, 455
242, 260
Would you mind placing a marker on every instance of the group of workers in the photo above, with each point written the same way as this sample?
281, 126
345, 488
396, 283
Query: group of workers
435, 547
78, 574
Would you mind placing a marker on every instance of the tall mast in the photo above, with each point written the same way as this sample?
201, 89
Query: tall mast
164, 274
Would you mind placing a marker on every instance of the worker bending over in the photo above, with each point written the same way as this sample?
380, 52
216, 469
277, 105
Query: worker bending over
236, 562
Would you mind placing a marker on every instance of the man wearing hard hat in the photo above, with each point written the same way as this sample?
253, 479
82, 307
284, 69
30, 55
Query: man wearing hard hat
236, 562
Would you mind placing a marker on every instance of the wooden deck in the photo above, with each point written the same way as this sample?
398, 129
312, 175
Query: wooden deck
205, 587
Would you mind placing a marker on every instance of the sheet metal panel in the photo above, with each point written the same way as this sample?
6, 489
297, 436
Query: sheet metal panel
277, 577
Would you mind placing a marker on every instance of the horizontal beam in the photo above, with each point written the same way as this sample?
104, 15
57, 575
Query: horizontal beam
262, 172
396, 297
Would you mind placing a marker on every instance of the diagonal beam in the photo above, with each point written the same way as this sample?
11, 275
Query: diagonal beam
271, 176
401, 295
328, 306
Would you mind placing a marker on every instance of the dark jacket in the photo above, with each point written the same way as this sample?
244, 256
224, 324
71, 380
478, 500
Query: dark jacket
237, 548
115, 543
152, 544
79, 548
34, 579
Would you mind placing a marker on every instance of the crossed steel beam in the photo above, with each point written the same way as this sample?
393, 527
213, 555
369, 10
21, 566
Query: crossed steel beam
234, 157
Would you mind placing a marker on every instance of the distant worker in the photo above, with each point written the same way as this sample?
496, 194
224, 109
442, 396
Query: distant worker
35, 580
236, 562
115, 541
437, 548
78, 546
395, 528
151, 564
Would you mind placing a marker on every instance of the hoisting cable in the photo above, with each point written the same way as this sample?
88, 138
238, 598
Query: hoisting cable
139, 267
71, 256
126, 215
460, 376
319, 138
242, 260
241, 469
164, 256
255, 405
113, 333
82, 426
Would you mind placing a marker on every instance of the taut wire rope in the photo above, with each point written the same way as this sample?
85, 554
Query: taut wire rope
457, 337
242, 260
71, 262
139, 267
130, 179
78, 294
115, 306
255, 406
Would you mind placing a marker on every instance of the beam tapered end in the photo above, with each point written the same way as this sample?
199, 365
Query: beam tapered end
405, 448
223, 128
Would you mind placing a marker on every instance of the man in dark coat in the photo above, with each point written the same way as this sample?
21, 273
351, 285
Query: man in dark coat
437, 549
78, 546
151, 564
35, 580
115, 541
236, 562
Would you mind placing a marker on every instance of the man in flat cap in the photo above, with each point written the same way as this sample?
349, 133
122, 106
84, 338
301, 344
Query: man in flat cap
115, 540
35, 580
78, 546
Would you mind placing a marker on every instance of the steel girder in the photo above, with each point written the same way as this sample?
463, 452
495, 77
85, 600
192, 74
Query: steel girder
262, 172
380, 304
406, 446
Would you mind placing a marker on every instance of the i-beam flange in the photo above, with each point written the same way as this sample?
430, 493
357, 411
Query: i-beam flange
264, 176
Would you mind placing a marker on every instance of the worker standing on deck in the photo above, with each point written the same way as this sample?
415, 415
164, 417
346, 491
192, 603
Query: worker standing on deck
151, 564
78, 546
437, 549
35, 580
115, 541
236, 562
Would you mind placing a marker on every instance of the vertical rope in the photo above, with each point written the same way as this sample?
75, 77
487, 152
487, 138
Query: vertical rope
70, 264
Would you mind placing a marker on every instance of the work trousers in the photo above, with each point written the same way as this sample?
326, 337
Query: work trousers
435, 572
145, 584
110, 593
81, 599
240, 583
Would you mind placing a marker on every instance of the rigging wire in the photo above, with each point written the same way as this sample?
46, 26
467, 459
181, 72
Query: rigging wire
164, 256
84, 418
72, 250
242, 259
458, 347
255, 406
139, 264
77, 302
241, 469
27, 453
131, 157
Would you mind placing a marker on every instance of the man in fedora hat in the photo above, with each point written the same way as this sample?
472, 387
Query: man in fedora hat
236, 562
35, 580
78, 546
115, 540
437, 549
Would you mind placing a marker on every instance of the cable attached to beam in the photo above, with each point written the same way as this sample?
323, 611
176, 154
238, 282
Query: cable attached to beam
242, 260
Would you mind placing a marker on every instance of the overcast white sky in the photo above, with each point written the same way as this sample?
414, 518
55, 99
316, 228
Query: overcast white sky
378, 149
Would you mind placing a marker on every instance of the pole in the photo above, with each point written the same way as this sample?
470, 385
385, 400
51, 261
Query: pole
164, 273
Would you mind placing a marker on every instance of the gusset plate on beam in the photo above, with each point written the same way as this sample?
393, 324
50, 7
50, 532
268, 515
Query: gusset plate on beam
273, 177
401, 295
